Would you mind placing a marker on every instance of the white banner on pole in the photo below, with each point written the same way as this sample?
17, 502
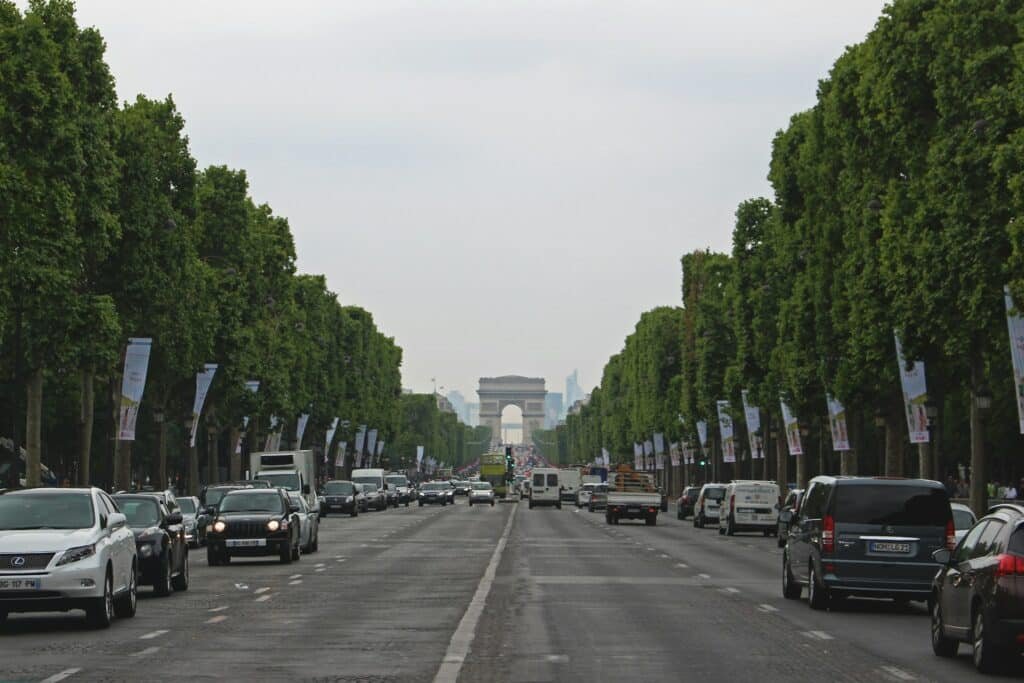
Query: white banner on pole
203, 381
915, 396
300, 429
638, 454
419, 456
792, 427
649, 455
702, 433
753, 419
339, 459
330, 436
673, 450
837, 422
606, 457
726, 430
133, 384
360, 442
659, 443
371, 444
1015, 324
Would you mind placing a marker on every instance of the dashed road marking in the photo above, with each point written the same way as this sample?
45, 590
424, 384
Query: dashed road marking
145, 653
557, 659
729, 589
260, 591
817, 635
664, 556
767, 608
296, 582
217, 619
218, 609
320, 564
295, 576
341, 560
153, 634
898, 674
264, 598
62, 675
650, 550
704, 576
680, 565
320, 569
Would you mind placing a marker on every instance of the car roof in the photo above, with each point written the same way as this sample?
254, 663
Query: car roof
249, 491
48, 489
882, 481
961, 506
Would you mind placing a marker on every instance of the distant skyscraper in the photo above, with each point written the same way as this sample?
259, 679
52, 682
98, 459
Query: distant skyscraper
459, 404
552, 409
473, 413
573, 392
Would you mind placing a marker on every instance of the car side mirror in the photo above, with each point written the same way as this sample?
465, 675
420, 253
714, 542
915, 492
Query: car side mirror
942, 556
174, 518
210, 510
293, 508
116, 520
786, 516
305, 489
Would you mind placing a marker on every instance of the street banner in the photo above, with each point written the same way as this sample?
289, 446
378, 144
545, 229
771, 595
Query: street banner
837, 421
419, 456
330, 435
649, 455
637, 456
360, 442
1015, 323
371, 444
339, 460
753, 417
725, 429
915, 396
133, 383
792, 426
203, 381
606, 457
659, 444
380, 452
253, 385
300, 429
673, 450
659, 461
702, 433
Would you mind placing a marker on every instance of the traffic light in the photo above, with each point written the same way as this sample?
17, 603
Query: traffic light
510, 463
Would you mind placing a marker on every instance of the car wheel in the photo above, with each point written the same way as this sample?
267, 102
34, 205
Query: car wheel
181, 581
531, 503
3, 615
125, 605
988, 657
608, 518
942, 645
297, 552
212, 558
406, 503
470, 503
285, 554
781, 542
100, 611
817, 597
325, 512
162, 585
679, 515
316, 541
558, 505
790, 588
492, 503
730, 527
651, 520
421, 503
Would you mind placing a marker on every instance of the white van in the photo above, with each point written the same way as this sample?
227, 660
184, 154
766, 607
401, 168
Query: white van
375, 477
709, 500
545, 487
570, 480
750, 506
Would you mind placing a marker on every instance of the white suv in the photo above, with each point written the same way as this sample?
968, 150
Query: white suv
64, 549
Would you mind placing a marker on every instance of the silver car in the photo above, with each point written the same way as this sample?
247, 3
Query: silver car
309, 524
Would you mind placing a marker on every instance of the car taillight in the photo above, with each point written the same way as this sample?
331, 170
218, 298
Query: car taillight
828, 534
950, 536
1010, 565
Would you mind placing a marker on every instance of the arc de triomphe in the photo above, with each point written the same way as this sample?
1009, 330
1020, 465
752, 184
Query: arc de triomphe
498, 392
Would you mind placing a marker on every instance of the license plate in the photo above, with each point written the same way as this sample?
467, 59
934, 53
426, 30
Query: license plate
880, 547
246, 542
19, 584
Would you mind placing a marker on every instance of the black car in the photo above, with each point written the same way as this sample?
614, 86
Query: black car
866, 536
434, 492
159, 542
399, 483
254, 523
792, 505
978, 594
684, 506
340, 496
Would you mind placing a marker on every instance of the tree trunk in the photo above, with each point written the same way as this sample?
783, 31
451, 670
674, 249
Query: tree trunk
193, 471
781, 460
33, 428
924, 460
979, 496
848, 463
893, 444
125, 472
801, 469
115, 407
161, 470
211, 456
236, 454
85, 424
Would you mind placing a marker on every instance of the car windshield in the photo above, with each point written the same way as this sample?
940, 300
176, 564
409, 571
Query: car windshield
877, 504
46, 511
373, 481
141, 512
715, 493
187, 505
481, 486
397, 480
213, 496
299, 502
435, 487
260, 501
962, 519
285, 480
339, 488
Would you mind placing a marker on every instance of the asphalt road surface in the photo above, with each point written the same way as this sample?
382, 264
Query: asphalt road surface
490, 594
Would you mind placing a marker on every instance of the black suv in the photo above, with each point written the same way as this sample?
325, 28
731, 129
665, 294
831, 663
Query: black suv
252, 523
340, 496
866, 536
159, 541
978, 594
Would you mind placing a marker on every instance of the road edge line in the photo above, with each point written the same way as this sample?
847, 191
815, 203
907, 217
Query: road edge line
462, 639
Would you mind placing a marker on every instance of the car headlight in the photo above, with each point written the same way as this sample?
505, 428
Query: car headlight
273, 525
349, 499
146, 549
219, 526
75, 554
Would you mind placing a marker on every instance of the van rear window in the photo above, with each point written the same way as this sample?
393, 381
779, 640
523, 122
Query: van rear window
552, 480
538, 480
891, 505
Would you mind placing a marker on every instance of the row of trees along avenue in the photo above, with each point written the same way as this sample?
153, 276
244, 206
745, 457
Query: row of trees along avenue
895, 212
108, 231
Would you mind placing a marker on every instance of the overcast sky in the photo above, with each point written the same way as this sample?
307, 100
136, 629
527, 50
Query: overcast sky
505, 185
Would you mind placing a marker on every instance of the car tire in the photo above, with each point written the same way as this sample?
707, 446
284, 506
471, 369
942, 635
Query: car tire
558, 505
730, 527
406, 503
100, 611
421, 503
679, 516
791, 589
817, 596
125, 605
355, 512
324, 513
651, 520
492, 503
3, 615
285, 554
471, 503
781, 542
316, 541
225, 559
297, 552
162, 585
181, 581
942, 645
988, 657
531, 503
212, 558
608, 518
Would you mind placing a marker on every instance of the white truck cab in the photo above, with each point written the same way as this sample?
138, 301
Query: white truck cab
545, 487
709, 500
749, 506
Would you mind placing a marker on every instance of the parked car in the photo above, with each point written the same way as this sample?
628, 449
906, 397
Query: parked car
866, 536
309, 523
709, 502
481, 493
791, 504
684, 506
159, 542
599, 498
342, 496
434, 493
195, 534
252, 523
76, 552
963, 519
978, 593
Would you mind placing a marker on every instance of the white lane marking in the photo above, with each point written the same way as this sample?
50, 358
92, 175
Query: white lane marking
462, 639
704, 576
320, 569
320, 564
220, 609
557, 659
682, 566
339, 557
260, 591
663, 556
217, 619
650, 550
817, 635
340, 561
62, 675
295, 576
144, 653
898, 674
296, 582
264, 598
767, 608
153, 634
728, 589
